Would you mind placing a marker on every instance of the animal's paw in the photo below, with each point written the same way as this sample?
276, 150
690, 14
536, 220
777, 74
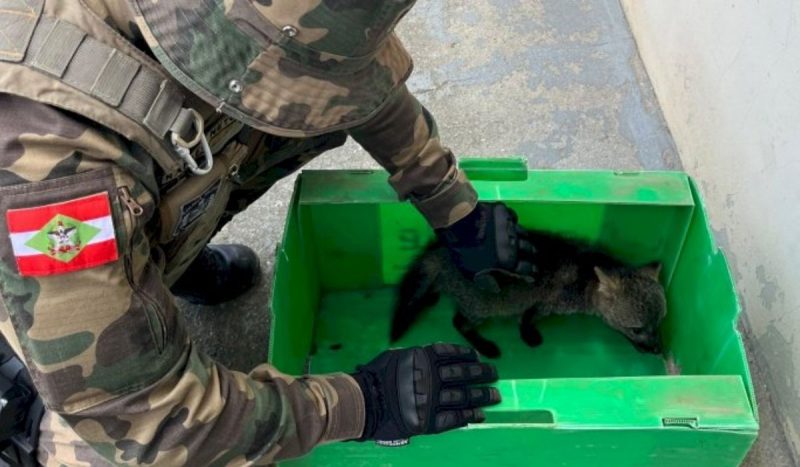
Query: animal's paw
531, 335
488, 349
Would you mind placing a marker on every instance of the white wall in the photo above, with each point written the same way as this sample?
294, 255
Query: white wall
727, 75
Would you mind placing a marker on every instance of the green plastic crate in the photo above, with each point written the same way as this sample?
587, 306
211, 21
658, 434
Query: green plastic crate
585, 397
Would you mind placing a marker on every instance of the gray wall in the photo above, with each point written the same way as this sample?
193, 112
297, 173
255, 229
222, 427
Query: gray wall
727, 76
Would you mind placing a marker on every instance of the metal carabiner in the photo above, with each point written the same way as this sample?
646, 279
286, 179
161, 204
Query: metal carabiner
184, 148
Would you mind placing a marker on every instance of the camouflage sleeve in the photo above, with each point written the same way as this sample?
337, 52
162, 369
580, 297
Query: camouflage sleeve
105, 344
403, 138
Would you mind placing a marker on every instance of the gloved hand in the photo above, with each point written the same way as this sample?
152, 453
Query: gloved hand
489, 243
423, 390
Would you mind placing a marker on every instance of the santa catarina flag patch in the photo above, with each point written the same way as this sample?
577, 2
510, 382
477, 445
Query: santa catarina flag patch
63, 237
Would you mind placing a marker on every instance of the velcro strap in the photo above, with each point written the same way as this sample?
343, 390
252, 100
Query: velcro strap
164, 109
17, 20
59, 47
64, 51
114, 81
185, 127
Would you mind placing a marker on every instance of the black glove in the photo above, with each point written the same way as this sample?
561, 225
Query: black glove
423, 390
489, 242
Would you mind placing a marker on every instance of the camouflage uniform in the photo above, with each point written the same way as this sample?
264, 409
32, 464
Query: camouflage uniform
105, 345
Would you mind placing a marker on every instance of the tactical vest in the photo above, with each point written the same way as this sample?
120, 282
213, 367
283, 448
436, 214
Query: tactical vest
60, 53
71, 59
63, 55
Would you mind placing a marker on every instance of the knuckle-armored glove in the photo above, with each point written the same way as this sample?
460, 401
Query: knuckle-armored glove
489, 243
424, 390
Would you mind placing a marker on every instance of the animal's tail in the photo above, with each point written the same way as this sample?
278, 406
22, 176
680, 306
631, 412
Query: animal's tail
417, 292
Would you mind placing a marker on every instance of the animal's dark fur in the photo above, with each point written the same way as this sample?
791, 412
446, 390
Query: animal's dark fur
571, 277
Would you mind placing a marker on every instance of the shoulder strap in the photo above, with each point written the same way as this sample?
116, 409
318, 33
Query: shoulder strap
117, 84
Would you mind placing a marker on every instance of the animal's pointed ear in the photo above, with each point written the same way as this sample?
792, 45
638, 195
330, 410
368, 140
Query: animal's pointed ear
652, 270
607, 283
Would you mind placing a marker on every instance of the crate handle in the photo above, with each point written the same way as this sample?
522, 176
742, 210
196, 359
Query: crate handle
682, 422
506, 169
528, 417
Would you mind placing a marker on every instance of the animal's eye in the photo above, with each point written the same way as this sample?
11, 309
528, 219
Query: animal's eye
639, 330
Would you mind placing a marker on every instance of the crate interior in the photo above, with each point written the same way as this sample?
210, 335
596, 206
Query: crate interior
354, 324
348, 242
585, 396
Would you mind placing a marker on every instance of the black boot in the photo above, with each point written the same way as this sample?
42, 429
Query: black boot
219, 274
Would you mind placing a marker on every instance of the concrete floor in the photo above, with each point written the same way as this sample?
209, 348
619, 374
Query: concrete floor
559, 82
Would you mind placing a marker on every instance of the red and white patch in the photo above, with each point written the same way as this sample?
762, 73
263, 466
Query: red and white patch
63, 237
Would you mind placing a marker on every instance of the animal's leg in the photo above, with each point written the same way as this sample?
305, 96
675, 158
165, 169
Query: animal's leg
528, 330
417, 293
471, 334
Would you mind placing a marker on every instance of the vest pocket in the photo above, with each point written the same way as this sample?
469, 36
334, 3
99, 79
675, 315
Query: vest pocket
191, 212
133, 213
